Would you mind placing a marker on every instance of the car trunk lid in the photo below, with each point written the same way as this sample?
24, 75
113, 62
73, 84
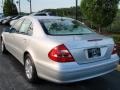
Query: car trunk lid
87, 48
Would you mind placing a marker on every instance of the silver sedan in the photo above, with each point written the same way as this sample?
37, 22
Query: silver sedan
59, 49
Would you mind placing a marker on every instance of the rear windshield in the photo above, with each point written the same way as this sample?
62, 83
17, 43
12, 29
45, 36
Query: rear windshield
64, 27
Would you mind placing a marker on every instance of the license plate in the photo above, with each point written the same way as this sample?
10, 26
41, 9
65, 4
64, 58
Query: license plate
94, 52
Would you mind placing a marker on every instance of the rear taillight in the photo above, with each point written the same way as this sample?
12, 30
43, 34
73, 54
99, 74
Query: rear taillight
60, 54
114, 50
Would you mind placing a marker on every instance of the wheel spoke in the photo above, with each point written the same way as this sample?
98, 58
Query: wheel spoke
2, 46
28, 69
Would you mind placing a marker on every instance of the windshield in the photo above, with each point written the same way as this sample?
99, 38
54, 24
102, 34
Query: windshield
65, 27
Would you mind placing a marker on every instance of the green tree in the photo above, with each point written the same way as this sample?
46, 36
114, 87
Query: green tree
65, 12
101, 13
9, 8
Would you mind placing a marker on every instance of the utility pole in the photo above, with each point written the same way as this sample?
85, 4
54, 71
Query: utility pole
76, 9
30, 5
19, 5
2, 4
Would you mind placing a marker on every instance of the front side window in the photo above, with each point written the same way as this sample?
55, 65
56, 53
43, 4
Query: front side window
65, 27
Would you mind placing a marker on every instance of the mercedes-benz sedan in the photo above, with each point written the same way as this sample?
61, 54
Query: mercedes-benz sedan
59, 49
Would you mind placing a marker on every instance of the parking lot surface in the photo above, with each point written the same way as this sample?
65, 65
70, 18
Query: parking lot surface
12, 78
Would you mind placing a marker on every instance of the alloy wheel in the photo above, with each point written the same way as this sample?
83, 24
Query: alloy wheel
28, 68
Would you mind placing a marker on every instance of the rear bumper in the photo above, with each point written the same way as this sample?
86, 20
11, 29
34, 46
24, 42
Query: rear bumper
73, 72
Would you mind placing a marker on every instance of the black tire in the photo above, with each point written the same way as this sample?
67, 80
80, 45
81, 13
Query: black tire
3, 48
34, 76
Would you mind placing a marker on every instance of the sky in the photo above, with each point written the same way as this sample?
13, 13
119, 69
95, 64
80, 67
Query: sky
38, 5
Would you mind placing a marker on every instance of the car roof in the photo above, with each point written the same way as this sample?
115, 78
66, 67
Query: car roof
49, 17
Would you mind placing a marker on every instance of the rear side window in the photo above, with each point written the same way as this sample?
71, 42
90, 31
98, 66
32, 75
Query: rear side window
18, 24
26, 27
42, 14
30, 30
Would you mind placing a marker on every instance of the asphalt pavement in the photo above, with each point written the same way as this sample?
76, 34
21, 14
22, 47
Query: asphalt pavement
12, 78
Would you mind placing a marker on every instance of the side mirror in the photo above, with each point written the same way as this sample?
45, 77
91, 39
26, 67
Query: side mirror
7, 29
12, 30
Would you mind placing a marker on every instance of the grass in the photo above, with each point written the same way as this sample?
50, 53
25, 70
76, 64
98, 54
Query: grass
116, 37
118, 68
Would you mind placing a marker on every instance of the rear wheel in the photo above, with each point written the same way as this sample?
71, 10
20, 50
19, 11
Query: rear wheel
30, 70
3, 49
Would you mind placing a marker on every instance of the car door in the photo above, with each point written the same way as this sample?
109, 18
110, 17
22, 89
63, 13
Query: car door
10, 37
22, 38
7, 38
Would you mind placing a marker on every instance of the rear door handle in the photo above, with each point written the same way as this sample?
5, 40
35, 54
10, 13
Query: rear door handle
24, 39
